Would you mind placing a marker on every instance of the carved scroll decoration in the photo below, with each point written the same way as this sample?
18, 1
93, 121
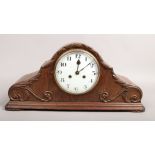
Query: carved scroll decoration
105, 97
16, 95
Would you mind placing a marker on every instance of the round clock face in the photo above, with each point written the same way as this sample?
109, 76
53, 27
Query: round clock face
77, 71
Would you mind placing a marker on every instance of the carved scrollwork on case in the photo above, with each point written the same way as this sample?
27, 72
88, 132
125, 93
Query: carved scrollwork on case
125, 94
22, 93
133, 99
133, 95
48, 95
15, 96
105, 97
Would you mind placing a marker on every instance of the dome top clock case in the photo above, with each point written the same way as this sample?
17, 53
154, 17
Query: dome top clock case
76, 78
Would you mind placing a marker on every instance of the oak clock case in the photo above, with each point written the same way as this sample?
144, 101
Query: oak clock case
76, 78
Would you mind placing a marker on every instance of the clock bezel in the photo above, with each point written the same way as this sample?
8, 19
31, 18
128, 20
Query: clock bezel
73, 51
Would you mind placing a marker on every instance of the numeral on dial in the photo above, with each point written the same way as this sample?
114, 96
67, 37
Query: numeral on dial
94, 72
85, 86
67, 85
69, 58
78, 56
63, 64
91, 65
62, 80
76, 89
59, 72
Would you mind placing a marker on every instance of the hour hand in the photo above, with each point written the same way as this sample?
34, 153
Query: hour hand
78, 63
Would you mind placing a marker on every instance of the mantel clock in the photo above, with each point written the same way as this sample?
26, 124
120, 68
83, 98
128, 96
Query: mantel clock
76, 78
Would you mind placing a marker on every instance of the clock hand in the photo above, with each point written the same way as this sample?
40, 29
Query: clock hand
78, 63
84, 67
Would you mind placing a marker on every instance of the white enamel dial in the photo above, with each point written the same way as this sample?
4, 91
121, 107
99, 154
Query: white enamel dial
77, 71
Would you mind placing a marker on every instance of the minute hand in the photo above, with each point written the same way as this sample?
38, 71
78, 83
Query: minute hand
84, 67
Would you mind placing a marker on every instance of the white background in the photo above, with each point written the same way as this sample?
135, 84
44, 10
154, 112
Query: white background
82, 17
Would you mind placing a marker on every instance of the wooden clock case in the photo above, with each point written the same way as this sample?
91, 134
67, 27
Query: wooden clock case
39, 90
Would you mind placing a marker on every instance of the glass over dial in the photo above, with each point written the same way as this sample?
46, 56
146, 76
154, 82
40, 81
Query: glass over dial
77, 71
